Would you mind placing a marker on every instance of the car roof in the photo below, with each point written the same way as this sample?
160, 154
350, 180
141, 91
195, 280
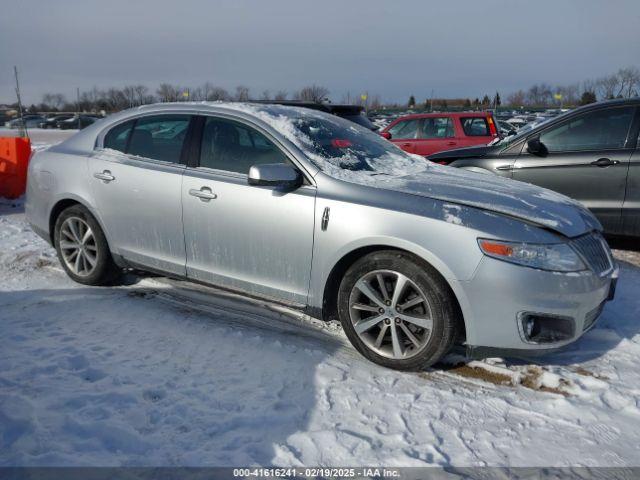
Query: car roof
617, 102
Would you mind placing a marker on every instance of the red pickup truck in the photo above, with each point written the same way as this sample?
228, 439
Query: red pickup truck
428, 133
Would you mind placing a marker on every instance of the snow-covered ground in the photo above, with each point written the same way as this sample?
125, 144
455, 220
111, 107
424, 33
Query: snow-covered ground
40, 137
162, 373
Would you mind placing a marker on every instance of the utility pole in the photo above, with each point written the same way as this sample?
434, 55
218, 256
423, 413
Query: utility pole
78, 105
23, 126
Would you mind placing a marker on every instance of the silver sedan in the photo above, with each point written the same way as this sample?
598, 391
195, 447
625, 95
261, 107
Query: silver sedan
309, 210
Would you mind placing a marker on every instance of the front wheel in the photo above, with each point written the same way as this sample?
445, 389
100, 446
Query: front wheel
397, 312
82, 248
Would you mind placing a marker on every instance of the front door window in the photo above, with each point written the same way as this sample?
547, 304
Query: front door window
600, 130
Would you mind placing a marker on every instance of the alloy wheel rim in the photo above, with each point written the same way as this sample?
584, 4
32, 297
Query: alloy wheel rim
390, 314
78, 246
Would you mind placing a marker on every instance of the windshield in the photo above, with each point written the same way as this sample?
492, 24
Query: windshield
523, 131
338, 146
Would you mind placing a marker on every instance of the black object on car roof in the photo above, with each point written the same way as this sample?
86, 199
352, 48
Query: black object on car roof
354, 113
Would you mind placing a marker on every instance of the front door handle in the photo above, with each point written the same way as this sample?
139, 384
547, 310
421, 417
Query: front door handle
105, 176
406, 144
204, 194
451, 144
604, 162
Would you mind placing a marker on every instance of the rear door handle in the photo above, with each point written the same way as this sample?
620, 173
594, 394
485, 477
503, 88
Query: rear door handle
406, 144
105, 176
452, 143
604, 162
205, 194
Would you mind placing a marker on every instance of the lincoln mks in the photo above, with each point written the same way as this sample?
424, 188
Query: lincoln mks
307, 209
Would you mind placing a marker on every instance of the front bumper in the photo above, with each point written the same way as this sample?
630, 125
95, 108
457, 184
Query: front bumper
500, 293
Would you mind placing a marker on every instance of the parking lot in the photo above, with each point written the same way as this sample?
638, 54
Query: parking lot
319, 240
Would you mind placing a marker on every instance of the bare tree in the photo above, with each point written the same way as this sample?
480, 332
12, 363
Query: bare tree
570, 93
218, 94
517, 99
629, 82
608, 87
312, 93
281, 95
129, 92
266, 95
92, 100
198, 93
208, 92
115, 99
168, 93
242, 93
589, 85
143, 95
54, 101
375, 103
539, 94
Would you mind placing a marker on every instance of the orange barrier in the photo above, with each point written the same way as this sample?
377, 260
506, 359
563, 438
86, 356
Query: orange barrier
14, 160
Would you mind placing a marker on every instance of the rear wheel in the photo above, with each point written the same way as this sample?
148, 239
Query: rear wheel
396, 312
82, 248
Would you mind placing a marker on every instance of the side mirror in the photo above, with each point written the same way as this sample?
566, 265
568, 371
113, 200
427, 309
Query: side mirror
386, 135
279, 175
536, 147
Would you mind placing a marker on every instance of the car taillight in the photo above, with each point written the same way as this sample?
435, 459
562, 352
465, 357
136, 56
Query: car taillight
492, 126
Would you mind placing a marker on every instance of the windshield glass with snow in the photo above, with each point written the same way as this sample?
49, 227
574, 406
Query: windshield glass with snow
338, 146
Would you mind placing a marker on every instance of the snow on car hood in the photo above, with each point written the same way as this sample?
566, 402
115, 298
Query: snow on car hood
398, 171
497, 194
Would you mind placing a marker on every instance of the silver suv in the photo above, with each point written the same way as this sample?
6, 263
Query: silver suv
307, 209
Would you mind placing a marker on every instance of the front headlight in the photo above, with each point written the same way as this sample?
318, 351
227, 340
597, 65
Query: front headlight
557, 257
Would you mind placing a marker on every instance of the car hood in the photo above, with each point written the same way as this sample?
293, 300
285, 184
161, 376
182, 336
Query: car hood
497, 194
467, 152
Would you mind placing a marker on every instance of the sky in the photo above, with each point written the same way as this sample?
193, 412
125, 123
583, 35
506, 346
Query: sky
453, 48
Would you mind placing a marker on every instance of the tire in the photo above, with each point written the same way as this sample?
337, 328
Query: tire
100, 267
425, 300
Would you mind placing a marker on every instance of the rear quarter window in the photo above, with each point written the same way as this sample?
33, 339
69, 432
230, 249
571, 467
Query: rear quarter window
118, 137
475, 126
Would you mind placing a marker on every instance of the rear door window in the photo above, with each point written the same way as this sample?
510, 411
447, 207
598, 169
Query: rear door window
404, 129
436, 127
159, 137
475, 126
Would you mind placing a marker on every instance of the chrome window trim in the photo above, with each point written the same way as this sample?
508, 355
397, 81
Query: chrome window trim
140, 162
99, 144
